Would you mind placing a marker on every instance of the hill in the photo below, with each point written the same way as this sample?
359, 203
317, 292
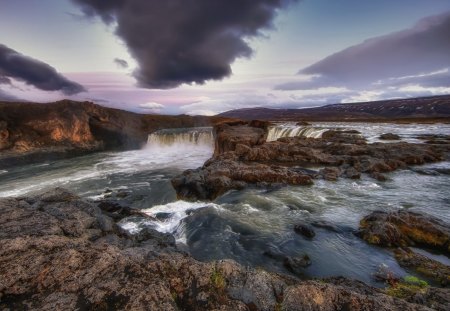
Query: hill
411, 109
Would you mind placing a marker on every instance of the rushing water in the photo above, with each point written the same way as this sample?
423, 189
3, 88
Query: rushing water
243, 225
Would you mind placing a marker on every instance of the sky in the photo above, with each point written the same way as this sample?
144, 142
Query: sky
210, 56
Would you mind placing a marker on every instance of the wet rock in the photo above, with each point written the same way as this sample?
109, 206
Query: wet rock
405, 228
378, 176
58, 254
117, 211
297, 264
352, 173
389, 136
220, 176
330, 173
426, 266
305, 230
162, 239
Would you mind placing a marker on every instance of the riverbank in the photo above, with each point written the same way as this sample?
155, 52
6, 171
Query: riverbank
61, 252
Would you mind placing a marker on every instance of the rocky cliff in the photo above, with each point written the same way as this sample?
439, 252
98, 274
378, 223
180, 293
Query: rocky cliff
30, 131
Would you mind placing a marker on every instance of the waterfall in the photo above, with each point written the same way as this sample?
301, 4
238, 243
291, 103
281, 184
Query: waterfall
292, 130
181, 136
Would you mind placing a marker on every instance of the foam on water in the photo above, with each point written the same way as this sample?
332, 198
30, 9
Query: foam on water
169, 218
184, 136
292, 130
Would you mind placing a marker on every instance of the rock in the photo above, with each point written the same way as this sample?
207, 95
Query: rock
229, 135
303, 123
389, 136
352, 173
57, 254
162, 239
378, 176
305, 230
297, 264
314, 295
405, 228
330, 173
220, 176
243, 158
426, 266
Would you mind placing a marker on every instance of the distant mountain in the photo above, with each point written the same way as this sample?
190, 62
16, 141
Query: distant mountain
397, 109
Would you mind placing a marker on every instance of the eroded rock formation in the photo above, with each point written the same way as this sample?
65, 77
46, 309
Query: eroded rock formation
242, 157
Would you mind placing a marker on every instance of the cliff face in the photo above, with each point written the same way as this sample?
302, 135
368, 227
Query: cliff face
68, 128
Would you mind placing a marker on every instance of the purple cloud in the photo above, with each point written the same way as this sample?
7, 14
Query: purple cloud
14, 65
185, 41
421, 49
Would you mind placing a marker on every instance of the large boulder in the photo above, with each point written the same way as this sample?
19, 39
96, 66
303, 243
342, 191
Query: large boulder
405, 228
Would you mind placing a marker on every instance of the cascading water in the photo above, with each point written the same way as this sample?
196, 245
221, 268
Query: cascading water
170, 137
291, 130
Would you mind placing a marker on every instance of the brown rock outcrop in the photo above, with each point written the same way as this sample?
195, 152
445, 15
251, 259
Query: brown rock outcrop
243, 158
58, 252
404, 228
423, 265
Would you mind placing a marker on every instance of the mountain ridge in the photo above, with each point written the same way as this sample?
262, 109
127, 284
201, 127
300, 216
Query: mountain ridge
396, 109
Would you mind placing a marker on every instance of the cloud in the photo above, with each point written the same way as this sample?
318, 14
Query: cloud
121, 63
7, 97
410, 53
185, 41
4, 80
423, 48
152, 106
14, 65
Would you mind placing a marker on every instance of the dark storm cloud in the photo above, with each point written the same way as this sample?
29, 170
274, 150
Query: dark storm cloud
34, 72
121, 63
185, 41
421, 49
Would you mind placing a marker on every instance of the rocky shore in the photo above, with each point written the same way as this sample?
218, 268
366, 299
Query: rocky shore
59, 252
243, 158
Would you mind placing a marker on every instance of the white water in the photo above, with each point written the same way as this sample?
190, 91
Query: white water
371, 131
292, 130
169, 137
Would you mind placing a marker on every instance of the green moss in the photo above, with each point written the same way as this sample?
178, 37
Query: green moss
218, 280
412, 280
409, 286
